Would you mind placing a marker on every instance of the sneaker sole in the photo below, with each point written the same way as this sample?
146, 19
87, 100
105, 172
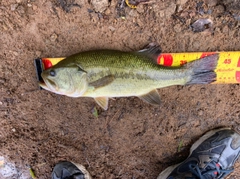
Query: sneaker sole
164, 174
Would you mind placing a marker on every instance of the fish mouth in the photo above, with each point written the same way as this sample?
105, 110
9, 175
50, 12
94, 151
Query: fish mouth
42, 84
48, 85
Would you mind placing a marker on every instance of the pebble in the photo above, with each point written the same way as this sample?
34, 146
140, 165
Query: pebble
140, 9
14, 7
196, 123
34, 7
133, 13
192, 88
38, 53
53, 37
15, 53
200, 112
13, 129
236, 17
181, 2
107, 12
201, 25
21, 9
166, 10
196, 44
112, 28
219, 9
170, 10
225, 29
177, 28
211, 2
179, 8
100, 5
2, 80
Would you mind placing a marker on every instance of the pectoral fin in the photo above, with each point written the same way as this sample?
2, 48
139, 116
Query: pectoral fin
102, 81
102, 101
152, 97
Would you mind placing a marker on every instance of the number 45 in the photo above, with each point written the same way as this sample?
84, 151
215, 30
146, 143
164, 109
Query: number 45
227, 61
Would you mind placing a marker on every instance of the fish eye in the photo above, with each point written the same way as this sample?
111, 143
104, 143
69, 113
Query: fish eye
52, 73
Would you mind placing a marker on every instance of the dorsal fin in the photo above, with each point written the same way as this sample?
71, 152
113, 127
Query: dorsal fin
152, 51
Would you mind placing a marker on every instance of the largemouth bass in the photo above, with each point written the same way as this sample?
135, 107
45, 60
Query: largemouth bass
103, 74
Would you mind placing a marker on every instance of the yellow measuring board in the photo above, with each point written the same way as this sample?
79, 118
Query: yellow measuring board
228, 68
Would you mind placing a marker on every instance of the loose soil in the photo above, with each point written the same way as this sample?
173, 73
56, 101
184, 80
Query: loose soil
132, 139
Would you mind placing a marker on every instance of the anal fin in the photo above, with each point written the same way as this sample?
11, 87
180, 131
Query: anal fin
152, 97
102, 101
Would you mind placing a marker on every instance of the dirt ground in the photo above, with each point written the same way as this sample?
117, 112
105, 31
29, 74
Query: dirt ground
132, 139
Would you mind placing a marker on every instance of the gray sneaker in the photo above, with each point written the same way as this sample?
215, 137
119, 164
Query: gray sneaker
211, 157
69, 170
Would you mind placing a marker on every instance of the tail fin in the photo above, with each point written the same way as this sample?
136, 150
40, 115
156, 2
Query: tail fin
202, 70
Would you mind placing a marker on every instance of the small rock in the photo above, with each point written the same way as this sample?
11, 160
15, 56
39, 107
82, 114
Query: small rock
209, 11
236, 17
94, 17
100, 5
196, 123
192, 14
1, 103
188, 22
21, 9
179, 8
133, 13
196, 44
53, 37
140, 23
13, 129
219, 9
107, 12
2, 80
211, 2
184, 14
181, 2
177, 28
166, 10
170, 10
201, 25
112, 28
140, 9
192, 88
90, 11
225, 29
14, 7
200, 112
15, 53
5, 27
18, 1
38, 53
34, 7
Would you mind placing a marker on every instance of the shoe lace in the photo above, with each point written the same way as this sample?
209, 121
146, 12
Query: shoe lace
211, 171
